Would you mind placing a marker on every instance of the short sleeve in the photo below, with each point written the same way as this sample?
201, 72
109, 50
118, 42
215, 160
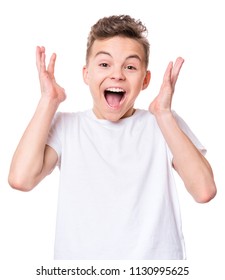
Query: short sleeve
55, 135
185, 128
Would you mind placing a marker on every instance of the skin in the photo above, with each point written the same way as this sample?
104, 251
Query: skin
116, 63
113, 63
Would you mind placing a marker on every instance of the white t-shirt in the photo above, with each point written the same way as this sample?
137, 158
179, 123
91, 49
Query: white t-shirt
117, 194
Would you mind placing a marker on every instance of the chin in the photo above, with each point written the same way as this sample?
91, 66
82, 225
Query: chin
113, 117
113, 114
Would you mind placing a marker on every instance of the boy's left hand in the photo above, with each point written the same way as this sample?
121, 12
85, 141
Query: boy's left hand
162, 103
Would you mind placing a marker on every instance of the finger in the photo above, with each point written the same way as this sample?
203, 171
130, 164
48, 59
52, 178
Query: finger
51, 65
168, 72
166, 84
40, 59
39, 52
176, 70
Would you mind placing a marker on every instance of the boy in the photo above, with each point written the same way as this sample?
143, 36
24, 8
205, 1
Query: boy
117, 197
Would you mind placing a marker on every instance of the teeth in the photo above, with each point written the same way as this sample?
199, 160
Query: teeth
115, 89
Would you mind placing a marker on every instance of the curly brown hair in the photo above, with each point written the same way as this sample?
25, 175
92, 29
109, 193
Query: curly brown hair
122, 25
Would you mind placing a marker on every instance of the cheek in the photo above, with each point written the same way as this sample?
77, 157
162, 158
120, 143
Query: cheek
94, 78
139, 86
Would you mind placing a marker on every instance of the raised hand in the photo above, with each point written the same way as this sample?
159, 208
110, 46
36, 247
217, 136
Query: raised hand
49, 87
162, 102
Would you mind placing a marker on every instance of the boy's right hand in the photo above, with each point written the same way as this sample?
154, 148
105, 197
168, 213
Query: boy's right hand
49, 87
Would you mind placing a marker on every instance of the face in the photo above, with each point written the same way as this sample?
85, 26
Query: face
115, 74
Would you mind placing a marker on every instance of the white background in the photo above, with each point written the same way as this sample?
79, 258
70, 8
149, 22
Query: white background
192, 29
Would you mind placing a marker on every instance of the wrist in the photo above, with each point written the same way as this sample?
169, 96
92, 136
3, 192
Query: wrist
49, 103
46, 109
163, 114
166, 120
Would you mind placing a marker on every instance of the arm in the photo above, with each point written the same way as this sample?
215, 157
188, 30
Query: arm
190, 164
33, 159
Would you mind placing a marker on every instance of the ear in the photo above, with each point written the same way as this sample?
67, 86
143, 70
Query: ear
85, 74
146, 80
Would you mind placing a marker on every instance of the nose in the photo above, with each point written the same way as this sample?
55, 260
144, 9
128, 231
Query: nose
117, 73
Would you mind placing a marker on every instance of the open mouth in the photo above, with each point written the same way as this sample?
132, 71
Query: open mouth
114, 96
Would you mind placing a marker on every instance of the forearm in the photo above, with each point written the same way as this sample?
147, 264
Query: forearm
28, 159
190, 164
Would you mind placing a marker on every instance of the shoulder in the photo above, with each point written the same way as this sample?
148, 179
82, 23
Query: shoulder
68, 117
145, 117
143, 114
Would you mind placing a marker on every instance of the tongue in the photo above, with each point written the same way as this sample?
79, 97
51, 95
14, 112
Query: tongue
113, 99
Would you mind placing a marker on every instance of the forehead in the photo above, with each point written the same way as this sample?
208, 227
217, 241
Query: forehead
118, 46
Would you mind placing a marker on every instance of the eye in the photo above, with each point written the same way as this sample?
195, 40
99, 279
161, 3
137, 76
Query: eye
104, 65
130, 67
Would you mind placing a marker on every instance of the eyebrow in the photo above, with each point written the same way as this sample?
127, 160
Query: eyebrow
107, 53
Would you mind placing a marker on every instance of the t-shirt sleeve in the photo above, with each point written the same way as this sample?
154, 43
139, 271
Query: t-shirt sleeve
185, 128
54, 136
